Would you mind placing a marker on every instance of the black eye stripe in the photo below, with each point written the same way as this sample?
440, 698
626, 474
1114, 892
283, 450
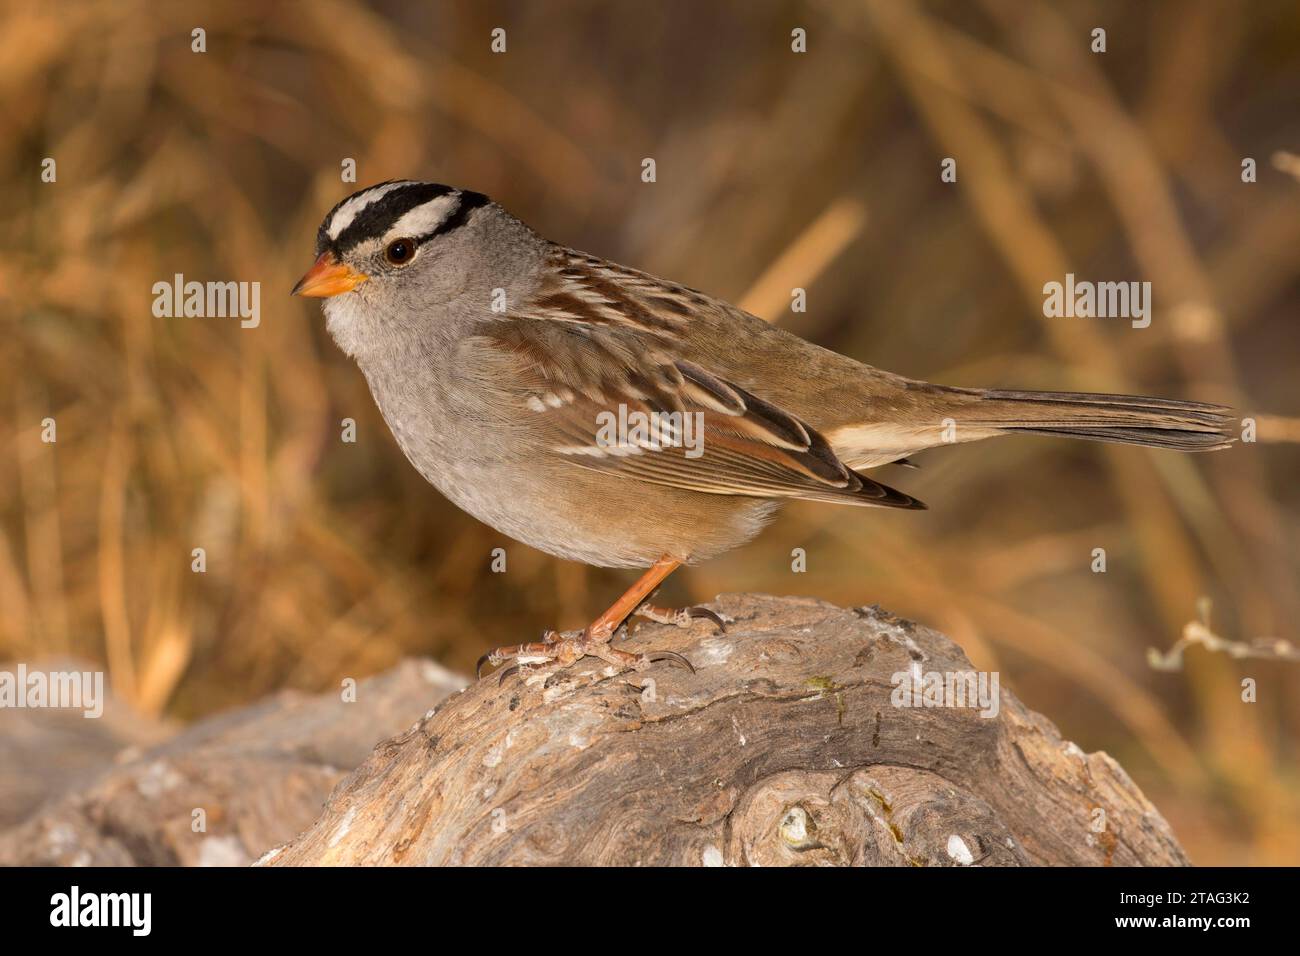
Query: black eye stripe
375, 219
323, 240
469, 201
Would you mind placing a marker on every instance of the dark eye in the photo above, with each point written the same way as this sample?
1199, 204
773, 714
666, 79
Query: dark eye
400, 251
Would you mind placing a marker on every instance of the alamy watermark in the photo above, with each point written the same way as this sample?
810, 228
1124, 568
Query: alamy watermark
71, 690
631, 429
973, 689
1101, 300
133, 911
209, 300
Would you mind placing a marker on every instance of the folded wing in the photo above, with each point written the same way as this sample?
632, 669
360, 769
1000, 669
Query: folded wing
610, 396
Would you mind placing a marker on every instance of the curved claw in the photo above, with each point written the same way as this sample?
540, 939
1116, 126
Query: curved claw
506, 672
478, 668
703, 613
672, 658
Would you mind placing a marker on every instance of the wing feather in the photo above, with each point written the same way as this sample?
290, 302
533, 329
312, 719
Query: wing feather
582, 352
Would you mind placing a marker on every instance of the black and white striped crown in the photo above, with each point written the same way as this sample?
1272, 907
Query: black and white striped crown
400, 207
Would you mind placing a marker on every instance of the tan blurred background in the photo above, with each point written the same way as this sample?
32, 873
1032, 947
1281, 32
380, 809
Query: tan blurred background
775, 170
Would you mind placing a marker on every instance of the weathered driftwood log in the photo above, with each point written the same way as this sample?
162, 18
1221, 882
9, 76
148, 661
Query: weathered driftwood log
219, 792
784, 748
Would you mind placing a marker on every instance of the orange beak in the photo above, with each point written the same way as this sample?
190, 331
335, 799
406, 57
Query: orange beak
328, 277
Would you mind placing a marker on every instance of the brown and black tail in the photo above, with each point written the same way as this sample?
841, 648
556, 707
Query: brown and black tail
1130, 419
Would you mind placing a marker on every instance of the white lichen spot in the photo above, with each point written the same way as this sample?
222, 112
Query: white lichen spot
573, 725
714, 651
494, 754
740, 734
959, 851
712, 856
344, 826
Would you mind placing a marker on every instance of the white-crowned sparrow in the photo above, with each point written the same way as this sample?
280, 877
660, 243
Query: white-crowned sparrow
502, 362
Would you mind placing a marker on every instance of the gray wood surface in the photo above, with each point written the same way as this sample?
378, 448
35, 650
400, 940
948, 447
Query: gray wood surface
783, 749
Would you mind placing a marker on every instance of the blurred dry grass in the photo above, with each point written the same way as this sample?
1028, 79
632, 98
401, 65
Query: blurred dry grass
328, 559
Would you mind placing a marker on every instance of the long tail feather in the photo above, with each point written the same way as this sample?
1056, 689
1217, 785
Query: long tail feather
1130, 419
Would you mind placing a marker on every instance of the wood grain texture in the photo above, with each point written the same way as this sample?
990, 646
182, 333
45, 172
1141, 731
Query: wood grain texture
783, 749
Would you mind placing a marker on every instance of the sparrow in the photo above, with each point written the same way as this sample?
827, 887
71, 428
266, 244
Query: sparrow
604, 415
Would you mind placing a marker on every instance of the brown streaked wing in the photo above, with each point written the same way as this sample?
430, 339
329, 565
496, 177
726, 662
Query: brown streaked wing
570, 370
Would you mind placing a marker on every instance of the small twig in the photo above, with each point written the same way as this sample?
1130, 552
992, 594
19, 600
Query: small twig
1199, 632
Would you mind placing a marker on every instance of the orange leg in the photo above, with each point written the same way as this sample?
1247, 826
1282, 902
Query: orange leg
595, 637
603, 628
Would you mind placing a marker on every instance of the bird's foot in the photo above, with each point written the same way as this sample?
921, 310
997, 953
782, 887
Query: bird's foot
563, 648
682, 616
